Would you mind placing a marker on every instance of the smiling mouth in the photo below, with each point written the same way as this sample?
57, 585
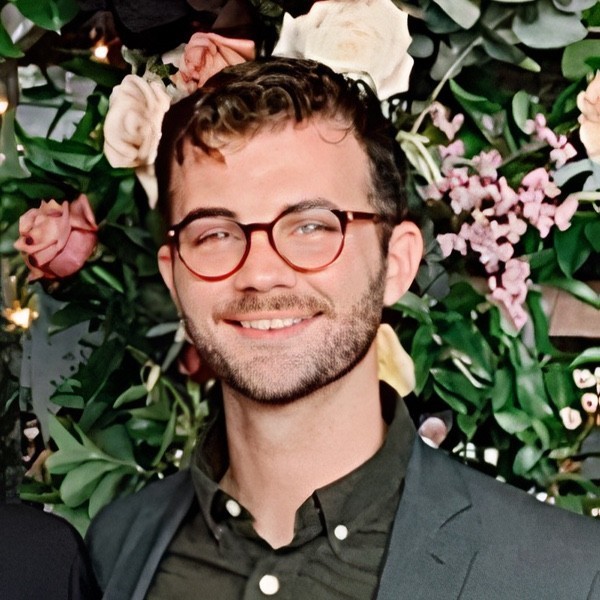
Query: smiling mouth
266, 324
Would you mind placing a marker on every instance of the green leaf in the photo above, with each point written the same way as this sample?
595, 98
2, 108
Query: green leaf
106, 490
131, 395
589, 355
70, 315
576, 288
592, 233
575, 56
464, 12
566, 28
513, 421
503, 390
571, 249
107, 277
455, 402
7, 48
521, 104
531, 391
104, 75
526, 458
49, 14
11, 167
559, 384
459, 385
79, 483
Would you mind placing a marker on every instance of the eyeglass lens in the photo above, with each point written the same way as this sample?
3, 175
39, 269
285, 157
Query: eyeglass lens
216, 246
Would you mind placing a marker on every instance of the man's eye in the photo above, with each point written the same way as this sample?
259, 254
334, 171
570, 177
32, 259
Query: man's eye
312, 227
211, 237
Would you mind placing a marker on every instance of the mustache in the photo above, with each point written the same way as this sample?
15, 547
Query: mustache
251, 304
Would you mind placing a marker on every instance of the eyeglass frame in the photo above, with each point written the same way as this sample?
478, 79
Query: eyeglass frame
343, 216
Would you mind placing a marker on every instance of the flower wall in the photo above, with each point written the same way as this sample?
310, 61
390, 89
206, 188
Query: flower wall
499, 125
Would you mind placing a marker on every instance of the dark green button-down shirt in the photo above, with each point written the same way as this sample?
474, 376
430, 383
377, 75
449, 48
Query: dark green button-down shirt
341, 530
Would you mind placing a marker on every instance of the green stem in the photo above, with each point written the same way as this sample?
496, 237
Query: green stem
451, 72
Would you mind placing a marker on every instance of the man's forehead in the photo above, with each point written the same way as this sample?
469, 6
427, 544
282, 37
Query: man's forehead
218, 146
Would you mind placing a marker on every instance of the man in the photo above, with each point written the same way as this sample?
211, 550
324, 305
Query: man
287, 237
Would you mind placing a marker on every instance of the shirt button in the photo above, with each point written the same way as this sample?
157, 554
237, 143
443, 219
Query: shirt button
269, 585
341, 532
233, 508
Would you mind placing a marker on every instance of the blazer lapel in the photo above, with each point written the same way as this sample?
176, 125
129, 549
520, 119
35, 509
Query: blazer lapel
431, 547
149, 537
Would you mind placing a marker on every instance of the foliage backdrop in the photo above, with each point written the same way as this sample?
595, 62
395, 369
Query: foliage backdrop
103, 364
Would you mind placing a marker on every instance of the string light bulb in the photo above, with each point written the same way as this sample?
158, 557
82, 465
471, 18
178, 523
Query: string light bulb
100, 51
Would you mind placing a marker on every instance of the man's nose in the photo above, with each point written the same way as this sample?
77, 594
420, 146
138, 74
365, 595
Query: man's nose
263, 268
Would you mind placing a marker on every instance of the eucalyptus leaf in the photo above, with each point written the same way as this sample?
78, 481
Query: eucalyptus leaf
566, 28
575, 58
464, 12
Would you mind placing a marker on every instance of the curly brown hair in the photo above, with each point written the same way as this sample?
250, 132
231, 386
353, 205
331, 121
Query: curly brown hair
242, 100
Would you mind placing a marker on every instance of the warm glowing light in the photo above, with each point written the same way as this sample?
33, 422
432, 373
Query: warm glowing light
19, 316
101, 51
3, 105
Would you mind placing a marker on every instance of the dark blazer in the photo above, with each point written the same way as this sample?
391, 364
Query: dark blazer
458, 534
42, 557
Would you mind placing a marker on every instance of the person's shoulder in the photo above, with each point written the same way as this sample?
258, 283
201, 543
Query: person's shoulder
510, 513
134, 520
21, 520
53, 550
125, 508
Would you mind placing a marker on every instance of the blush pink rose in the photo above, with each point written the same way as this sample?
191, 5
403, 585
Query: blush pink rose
588, 103
56, 239
208, 53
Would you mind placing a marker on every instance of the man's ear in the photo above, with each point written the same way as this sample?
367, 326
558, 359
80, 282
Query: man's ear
165, 266
405, 251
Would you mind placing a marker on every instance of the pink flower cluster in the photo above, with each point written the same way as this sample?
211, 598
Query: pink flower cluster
495, 216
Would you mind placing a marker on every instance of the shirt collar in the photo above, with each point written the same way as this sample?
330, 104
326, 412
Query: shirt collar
341, 502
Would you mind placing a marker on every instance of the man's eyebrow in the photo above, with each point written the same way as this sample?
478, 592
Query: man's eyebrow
309, 203
209, 212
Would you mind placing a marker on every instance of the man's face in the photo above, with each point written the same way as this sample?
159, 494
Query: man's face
268, 331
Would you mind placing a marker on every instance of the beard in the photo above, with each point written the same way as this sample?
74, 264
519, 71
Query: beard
268, 376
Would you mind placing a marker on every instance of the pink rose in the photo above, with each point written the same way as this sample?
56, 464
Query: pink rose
208, 53
56, 239
588, 103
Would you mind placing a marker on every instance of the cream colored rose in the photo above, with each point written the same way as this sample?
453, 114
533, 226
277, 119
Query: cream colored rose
132, 128
365, 39
588, 103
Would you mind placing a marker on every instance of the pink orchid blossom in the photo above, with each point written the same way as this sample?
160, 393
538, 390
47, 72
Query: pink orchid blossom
565, 211
440, 116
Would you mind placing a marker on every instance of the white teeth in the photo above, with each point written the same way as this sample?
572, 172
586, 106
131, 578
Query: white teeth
265, 324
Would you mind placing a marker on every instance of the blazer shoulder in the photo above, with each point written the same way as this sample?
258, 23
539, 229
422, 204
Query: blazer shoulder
508, 513
133, 521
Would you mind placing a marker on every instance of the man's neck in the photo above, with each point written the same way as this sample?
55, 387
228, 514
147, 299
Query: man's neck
280, 454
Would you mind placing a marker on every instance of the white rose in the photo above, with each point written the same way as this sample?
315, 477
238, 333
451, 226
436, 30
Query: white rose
367, 39
132, 127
